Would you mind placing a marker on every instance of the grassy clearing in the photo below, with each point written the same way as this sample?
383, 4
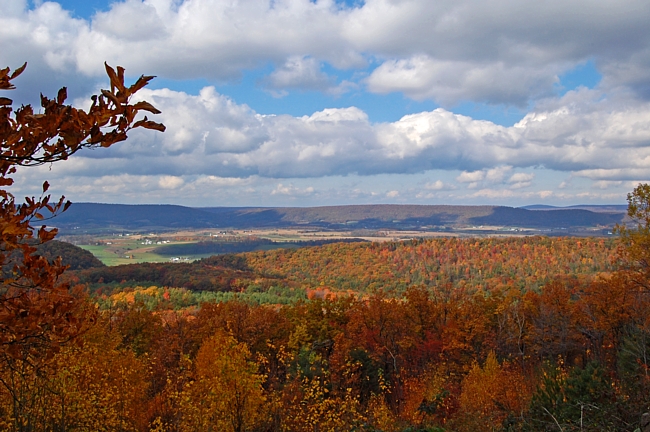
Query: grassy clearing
112, 257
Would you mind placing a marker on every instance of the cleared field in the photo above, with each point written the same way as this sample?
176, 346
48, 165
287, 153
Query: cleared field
111, 257
117, 250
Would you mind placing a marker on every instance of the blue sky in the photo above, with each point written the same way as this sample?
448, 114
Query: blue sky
301, 103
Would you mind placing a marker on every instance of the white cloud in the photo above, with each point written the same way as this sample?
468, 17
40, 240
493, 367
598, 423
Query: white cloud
170, 182
495, 52
438, 185
521, 180
211, 135
303, 73
640, 174
291, 190
503, 52
471, 177
131, 21
604, 184
486, 176
493, 193
450, 82
221, 182
496, 175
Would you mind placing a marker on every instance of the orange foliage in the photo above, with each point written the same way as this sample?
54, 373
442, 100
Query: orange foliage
38, 313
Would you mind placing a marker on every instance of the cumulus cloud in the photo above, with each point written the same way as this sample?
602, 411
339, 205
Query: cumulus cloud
471, 177
303, 73
131, 21
170, 182
496, 175
209, 134
605, 184
492, 176
449, 82
438, 185
615, 174
505, 52
521, 180
291, 190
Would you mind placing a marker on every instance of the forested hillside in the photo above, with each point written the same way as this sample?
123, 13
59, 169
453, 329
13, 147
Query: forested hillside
362, 268
72, 256
476, 264
427, 335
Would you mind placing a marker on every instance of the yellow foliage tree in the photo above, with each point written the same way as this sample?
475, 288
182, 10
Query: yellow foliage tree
226, 394
89, 386
492, 395
311, 407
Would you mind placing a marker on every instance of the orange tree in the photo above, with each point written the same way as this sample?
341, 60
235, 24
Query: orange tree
37, 311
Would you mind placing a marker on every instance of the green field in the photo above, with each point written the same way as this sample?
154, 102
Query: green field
112, 258
113, 255
127, 250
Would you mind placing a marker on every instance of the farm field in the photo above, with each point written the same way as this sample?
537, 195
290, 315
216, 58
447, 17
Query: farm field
118, 249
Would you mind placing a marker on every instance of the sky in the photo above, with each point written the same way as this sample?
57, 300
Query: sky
329, 102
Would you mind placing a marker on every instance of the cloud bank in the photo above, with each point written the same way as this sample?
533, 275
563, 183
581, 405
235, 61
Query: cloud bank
501, 51
210, 134
584, 143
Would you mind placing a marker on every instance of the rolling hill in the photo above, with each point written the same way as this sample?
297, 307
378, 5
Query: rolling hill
168, 217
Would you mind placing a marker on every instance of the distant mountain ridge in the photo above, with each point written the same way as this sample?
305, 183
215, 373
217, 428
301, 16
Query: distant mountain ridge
380, 216
610, 208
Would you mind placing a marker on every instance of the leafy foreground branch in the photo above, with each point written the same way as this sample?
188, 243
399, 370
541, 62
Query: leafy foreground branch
38, 314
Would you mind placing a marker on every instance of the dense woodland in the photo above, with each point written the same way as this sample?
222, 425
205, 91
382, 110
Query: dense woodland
364, 268
476, 334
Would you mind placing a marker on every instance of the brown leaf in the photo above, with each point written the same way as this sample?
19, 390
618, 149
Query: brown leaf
112, 97
111, 75
140, 83
148, 124
62, 96
18, 71
146, 106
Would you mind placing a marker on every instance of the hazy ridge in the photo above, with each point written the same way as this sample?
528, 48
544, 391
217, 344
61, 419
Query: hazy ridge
382, 216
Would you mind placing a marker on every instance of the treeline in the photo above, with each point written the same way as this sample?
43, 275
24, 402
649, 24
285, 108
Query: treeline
197, 276
572, 356
156, 298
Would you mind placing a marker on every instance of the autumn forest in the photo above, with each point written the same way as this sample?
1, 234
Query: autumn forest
448, 334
